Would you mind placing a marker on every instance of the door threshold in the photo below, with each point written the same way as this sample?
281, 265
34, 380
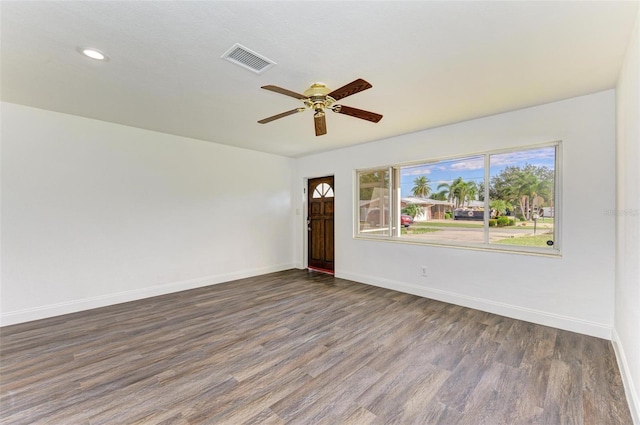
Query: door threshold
318, 269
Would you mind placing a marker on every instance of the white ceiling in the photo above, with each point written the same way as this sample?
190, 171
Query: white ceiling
430, 63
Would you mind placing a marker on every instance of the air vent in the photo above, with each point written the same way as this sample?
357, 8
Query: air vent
247, 59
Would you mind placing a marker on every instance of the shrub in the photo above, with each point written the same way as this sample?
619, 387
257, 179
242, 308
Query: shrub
413, 210
447, 215
493, 222
502, 221
512, 222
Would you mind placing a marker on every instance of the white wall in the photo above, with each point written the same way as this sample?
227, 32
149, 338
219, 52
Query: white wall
627, 306
575, 292
95, 213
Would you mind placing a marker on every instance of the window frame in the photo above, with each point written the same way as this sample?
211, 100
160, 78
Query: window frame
395, 208
392, 197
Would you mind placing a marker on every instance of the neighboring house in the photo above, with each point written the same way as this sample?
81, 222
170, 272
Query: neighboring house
426, 205
434, 209
548, 212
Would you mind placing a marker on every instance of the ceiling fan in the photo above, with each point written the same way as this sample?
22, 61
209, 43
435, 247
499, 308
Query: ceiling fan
319, 97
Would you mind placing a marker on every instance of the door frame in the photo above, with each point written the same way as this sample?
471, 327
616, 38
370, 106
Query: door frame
305, 217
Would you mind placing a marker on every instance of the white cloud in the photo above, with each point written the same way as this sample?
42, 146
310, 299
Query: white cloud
439, 182
538, 157
471, 164
416, 171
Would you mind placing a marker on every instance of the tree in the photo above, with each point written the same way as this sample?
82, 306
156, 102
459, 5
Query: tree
450, 190
525, 184
470, 189
439, 196
519, 186
500, 206
421, 188
492, 192
504, 184
458, 191
413, 210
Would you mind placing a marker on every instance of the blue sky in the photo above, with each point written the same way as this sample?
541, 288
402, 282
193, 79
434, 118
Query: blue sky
472, 168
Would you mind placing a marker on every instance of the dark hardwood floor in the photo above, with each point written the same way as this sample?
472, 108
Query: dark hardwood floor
303, 348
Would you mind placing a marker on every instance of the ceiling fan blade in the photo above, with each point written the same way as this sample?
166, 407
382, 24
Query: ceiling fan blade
320, 122
351, 88
282, 115
284, 92
358, 113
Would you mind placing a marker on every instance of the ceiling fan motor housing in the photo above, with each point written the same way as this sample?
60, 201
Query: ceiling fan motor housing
317, 98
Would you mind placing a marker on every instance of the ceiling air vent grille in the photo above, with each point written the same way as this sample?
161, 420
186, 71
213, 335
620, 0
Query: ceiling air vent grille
248, 59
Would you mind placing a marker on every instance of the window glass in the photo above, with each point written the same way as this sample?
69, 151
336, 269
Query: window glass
442, 201
499, 200
521, 198
374, 202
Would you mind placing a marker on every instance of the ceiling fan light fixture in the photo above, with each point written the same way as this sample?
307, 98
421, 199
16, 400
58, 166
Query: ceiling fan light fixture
317, 89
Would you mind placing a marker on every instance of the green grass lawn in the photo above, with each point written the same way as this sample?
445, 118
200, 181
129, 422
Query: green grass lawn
417, 230
537, 240
451, 224
475, 225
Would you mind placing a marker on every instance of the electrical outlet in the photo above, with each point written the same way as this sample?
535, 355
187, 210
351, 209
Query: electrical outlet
423, 271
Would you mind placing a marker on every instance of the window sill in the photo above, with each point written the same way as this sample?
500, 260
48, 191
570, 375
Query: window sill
519, 250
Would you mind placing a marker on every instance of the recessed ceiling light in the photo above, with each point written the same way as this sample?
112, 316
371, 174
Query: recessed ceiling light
93, 53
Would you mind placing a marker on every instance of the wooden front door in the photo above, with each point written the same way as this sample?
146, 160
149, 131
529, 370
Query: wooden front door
320, 199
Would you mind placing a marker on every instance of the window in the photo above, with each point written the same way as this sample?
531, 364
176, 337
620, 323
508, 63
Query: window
522, 198
445, 193
323, 190
504, 200
373, 207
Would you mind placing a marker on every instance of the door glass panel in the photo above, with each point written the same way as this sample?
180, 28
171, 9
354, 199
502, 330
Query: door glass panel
323, 190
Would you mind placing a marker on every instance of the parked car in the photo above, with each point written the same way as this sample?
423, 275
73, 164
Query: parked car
373, 218
406, 220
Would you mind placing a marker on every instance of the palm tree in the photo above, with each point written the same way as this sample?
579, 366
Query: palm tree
526, 185
451, 191
458, 192
519, 186
439, 196
421, 188
500, 206
471, 190
444, 190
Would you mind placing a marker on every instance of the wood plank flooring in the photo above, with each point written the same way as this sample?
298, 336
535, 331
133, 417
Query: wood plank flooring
303, 348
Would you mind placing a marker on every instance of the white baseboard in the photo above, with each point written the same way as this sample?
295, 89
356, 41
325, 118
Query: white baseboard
627, 380
515, 312
51, 310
